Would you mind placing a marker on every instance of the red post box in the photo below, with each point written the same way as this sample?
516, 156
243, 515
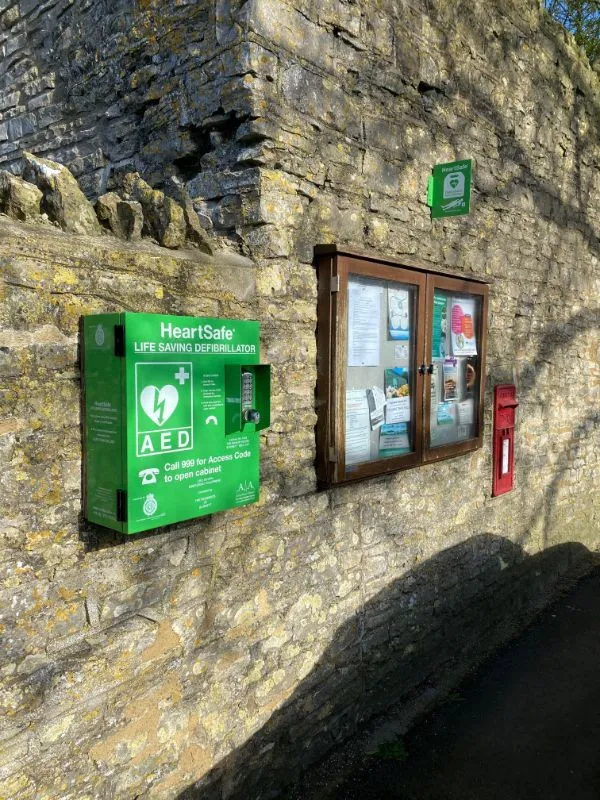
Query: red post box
505, 405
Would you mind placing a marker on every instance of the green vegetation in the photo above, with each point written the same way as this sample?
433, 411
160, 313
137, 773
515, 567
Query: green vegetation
393, 750
582, 19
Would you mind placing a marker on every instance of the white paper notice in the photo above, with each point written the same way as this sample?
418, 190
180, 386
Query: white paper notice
397, 409
401, 352
466, 412
358, 427
376, 401
364, 323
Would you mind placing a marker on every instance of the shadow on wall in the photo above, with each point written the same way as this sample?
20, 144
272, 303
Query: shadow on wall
435, 622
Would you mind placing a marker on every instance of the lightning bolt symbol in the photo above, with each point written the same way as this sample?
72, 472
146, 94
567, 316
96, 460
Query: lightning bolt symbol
159, 408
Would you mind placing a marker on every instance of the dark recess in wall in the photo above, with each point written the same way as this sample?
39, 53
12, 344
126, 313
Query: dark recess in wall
212, 135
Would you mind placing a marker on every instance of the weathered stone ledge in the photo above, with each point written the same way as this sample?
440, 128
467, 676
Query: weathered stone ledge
225, 271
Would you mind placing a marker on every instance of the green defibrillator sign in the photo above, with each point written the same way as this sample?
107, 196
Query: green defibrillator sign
449, 189
173, 407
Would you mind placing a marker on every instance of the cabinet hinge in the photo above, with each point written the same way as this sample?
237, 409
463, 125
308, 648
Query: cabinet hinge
120, 341
335, 283
121, 505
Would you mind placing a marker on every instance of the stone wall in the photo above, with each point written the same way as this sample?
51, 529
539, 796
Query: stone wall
102, 86
212, 658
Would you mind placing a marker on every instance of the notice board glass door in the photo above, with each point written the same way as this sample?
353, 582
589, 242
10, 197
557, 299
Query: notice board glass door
401, 360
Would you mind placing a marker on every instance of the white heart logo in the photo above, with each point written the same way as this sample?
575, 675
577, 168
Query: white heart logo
159, 404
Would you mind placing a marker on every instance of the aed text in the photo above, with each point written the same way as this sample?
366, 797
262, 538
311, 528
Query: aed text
163, 441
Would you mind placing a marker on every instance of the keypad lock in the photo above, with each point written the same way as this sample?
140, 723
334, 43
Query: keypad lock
247, 397
249, 413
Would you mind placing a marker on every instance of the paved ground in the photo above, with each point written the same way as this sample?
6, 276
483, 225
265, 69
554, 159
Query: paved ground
527, 727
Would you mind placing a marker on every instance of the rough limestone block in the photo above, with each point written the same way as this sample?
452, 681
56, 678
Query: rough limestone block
63, 200
10, 17
124, 218
18, 198
194, 231
163, 217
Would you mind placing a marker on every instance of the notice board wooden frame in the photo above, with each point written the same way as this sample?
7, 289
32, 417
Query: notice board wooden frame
334, 265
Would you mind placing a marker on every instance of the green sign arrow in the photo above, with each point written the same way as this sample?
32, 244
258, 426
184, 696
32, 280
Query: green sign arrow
449, 189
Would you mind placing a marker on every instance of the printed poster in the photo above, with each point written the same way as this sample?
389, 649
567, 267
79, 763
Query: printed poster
435, 383
398, 313
445, 414
462, 327
439, 348
376, 401
450, 379
397, 395
358, 427
364, 323
393, 440
466, 412
396, 382
397, 409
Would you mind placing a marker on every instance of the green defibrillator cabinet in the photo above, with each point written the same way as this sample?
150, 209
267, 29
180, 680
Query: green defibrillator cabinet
173, 408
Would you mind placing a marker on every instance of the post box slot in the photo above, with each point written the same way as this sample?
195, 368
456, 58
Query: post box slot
505, 405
